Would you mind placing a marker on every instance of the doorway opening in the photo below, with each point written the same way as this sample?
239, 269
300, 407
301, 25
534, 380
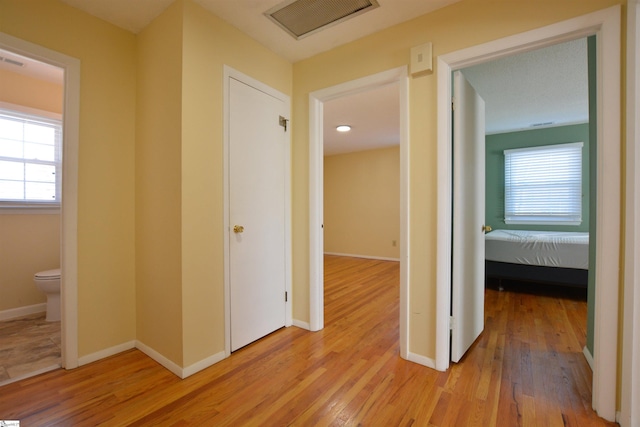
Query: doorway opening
396, 77
605, 25
69, 192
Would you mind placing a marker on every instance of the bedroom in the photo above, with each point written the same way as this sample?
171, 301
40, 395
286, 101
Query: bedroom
537, 107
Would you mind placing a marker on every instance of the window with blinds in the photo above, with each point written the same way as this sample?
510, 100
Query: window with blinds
30, 160
543, 185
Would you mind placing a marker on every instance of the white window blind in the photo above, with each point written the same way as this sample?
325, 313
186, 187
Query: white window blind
30, 160
543, 185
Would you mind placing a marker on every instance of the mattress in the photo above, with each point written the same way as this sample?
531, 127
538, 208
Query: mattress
544, 248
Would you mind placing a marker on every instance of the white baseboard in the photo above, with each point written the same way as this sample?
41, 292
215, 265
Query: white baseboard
363, 256
93, 357
12, 313
203, 364
421, 360
173, 367
588, 356
155, 355
301, 324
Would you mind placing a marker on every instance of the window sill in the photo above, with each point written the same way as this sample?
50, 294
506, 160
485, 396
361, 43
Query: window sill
29, 210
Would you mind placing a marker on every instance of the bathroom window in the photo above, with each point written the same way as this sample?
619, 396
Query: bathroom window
30, 160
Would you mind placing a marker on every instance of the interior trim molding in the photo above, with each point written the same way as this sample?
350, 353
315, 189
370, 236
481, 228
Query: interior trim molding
630, 388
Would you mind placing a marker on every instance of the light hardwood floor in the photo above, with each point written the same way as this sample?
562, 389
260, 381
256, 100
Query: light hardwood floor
527, 368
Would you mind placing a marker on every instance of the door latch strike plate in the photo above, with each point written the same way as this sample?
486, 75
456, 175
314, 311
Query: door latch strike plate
283, 123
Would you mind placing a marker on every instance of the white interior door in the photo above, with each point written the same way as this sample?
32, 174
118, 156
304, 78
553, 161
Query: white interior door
257, 260
467, 293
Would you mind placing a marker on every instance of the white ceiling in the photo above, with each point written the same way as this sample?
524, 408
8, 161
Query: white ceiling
374, 117
546, 86
248, 16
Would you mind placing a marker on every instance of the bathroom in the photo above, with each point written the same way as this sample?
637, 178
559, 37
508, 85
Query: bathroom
29, 237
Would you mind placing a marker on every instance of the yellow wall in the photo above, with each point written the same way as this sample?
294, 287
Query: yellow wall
158, 185
362, 203
209, 44
179, 244
460, 25
106, 291
29, 243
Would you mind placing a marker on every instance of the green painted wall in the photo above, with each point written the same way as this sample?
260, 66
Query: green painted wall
591, 287
495, 146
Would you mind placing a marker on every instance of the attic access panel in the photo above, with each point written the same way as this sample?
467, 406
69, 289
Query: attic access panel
301, 18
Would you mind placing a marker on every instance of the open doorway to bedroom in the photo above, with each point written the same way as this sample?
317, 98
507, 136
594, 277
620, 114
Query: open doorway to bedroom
540, 156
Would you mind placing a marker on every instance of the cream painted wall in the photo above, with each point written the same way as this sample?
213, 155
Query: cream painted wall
179, 244
362, 203
209, 44
106, 292
28, 243
464, 24
158, 186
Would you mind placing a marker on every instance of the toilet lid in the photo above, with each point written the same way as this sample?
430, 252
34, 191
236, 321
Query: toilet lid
49, 274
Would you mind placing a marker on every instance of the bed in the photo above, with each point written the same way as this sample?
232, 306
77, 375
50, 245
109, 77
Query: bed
547, 257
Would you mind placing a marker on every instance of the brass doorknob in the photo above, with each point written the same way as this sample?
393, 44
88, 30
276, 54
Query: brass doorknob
238, 229
486, 228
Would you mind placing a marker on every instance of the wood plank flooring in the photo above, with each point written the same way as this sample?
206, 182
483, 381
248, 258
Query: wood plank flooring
527, 369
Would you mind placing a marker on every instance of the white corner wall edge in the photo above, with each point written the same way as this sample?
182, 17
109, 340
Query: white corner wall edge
12, 313
606, 24
107, 352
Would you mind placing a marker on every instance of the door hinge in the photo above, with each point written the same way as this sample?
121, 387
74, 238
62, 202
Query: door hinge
452, 322
283, 122
286, 296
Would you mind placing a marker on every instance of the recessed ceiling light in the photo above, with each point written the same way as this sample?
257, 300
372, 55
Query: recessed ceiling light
343, 128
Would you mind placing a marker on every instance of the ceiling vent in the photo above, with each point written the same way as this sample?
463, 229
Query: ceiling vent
301, 18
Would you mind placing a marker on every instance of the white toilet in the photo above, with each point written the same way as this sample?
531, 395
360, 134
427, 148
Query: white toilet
49, 283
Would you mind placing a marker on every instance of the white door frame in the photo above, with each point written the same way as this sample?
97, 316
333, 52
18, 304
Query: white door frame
606, 25
316, 192
237, 75
630, 395
69, 208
